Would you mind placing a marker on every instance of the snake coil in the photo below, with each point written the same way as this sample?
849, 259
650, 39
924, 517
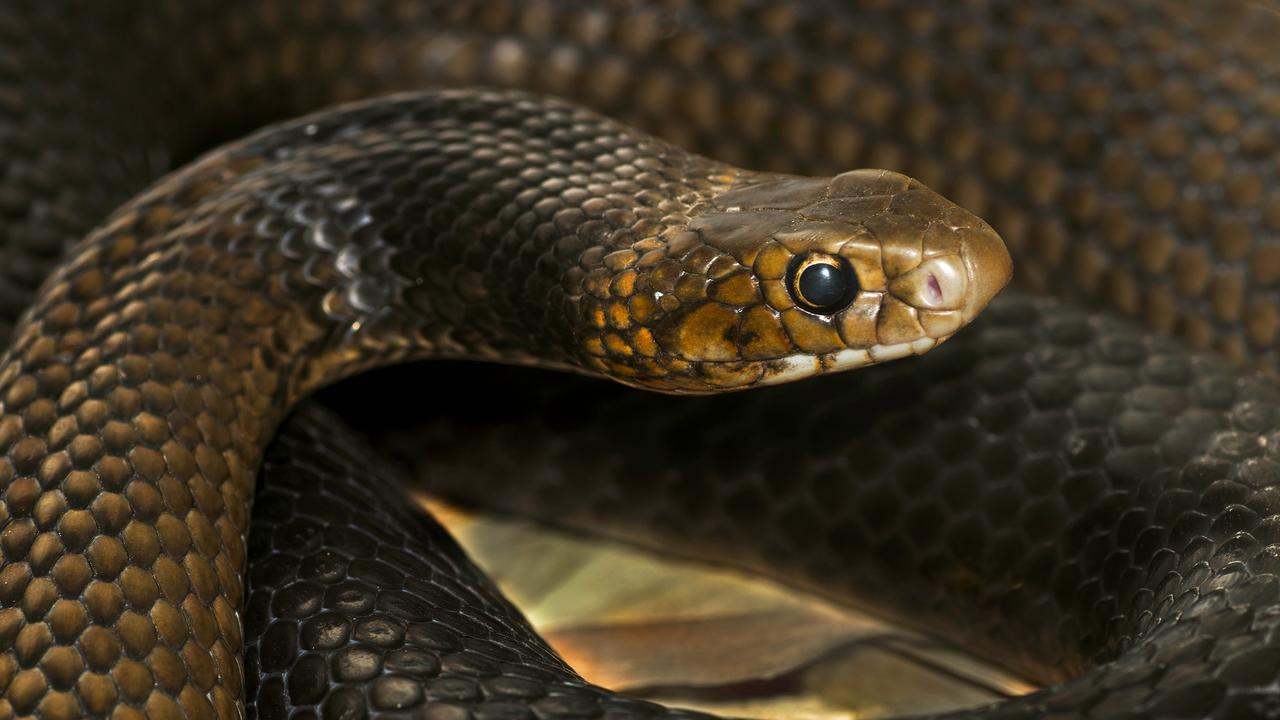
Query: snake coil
1089, 503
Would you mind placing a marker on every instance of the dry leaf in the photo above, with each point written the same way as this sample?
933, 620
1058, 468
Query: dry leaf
707, 638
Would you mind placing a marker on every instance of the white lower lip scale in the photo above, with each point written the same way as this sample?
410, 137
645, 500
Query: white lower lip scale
795, 367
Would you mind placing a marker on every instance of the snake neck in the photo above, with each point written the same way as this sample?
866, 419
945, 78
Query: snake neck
147, 378
445, 224
145, 381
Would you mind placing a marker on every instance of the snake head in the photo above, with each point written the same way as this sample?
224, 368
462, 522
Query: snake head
778, 278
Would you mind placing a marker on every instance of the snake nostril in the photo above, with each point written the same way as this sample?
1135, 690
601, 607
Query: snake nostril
934, 289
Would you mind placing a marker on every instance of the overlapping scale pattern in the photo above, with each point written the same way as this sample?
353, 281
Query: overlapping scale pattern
360, 607
1085, 502
158, 359
1123, 149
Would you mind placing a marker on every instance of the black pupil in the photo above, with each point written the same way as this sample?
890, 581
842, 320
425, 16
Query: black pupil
823, 285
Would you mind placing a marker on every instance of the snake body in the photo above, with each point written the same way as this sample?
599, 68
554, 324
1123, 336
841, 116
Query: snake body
150, 372
1083, 501
1125, 506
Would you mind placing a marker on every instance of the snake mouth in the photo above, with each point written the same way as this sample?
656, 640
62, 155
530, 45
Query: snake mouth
730, 375
802, 365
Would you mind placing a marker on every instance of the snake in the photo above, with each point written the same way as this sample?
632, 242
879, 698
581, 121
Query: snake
1080, 484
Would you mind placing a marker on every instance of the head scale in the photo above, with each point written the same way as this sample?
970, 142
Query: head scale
777, 278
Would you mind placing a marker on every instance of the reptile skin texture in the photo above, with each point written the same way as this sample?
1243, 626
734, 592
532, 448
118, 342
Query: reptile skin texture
1087, 503
363, 607
157, 361
1096, 508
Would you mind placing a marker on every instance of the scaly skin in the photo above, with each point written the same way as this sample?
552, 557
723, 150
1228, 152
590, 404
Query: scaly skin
1088, 504
156, 363
364, 607
1123, 149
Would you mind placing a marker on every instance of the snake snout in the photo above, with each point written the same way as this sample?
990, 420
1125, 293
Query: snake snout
941, 261
956, 285
988, 268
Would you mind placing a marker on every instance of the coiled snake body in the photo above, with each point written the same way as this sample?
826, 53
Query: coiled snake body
1090, 504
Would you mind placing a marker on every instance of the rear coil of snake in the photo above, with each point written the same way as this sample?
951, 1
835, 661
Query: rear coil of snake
1121, 149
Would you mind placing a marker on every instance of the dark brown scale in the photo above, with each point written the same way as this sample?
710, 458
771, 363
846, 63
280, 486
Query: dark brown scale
1123, 150
360, 605
159, 358
156, 364
1085, 502
1060, 125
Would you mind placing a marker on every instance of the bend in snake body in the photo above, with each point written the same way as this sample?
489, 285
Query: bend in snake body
158, 361
1112, 501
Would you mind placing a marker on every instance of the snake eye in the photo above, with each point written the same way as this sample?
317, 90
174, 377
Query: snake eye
821, 283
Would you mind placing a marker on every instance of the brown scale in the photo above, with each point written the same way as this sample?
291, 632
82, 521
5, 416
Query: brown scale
1015, 89
1018, 147
1090, 504
140, 390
